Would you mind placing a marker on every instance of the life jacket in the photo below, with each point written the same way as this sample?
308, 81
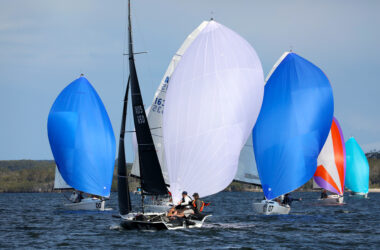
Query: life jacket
202, 206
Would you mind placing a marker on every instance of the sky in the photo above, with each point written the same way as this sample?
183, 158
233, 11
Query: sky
45, 45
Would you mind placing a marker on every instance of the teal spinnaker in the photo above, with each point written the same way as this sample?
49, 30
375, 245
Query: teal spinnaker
357, 168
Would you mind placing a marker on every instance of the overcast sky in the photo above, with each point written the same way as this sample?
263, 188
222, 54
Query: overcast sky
45, 45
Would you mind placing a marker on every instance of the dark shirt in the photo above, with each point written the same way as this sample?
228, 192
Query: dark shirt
288, 200
324, 195
197, 206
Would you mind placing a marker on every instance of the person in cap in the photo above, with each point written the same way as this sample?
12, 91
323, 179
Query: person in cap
198, 204
185, 201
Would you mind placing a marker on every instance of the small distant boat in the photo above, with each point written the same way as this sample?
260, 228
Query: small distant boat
331, 170
293, 124
357, 171
83, 145
270, 207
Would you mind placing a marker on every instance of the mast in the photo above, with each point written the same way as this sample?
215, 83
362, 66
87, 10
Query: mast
152, 180
124, 197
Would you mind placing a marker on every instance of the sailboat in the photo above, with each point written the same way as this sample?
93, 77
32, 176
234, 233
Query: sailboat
247, 171
83, 145
357, 171
331, 168
293, 124
244, 113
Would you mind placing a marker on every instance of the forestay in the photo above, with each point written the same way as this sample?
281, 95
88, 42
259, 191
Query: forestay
331, 161
293, 124
211, 106
357, 171
81, 139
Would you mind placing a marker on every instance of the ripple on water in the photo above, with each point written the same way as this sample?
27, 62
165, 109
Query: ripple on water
38, 220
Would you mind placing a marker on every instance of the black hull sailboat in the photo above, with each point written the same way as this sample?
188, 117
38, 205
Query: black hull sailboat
151, 178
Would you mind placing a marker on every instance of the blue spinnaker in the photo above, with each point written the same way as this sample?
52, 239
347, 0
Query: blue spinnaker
82, 139
357, 168
293, 124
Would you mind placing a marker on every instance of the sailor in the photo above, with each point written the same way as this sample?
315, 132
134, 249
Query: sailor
79, 197
185, 201
288, 200
324, 194
198, 204
74, 196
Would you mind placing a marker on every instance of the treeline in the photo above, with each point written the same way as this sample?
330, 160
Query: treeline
38, 176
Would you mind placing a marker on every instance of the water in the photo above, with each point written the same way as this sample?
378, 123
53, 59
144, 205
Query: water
38, 221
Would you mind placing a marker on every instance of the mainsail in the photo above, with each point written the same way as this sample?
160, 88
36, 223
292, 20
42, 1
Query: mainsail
331, 168
247, 171
357, 171
211, 106
59, 182
152, 181
124, 197
81, 139
293, 124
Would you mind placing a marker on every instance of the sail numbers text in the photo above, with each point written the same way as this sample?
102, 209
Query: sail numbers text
158, 105
139, 111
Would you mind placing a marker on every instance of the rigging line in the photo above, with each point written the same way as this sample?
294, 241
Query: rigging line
140, 34
124, 45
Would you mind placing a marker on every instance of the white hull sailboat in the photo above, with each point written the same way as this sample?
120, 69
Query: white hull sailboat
359, 195
90, 204
330, 173
269, 207
286, 140
357, 170
226, 66
84, 154
332, 199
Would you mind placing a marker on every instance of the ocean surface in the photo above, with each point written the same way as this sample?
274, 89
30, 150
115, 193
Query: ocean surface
39, 221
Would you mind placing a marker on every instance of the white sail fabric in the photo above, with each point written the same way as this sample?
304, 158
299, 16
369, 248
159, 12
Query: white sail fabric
155, 111
247, 169
59, 182
212, 104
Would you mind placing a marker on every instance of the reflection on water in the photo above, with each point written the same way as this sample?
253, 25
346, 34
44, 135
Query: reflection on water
38, 220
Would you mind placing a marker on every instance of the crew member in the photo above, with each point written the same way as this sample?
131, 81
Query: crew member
198, 204
185, 201
288, 200
324, 194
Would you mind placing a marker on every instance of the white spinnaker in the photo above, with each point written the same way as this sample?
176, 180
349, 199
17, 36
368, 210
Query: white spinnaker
327, 159
59, 182
155, 111
212, 104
